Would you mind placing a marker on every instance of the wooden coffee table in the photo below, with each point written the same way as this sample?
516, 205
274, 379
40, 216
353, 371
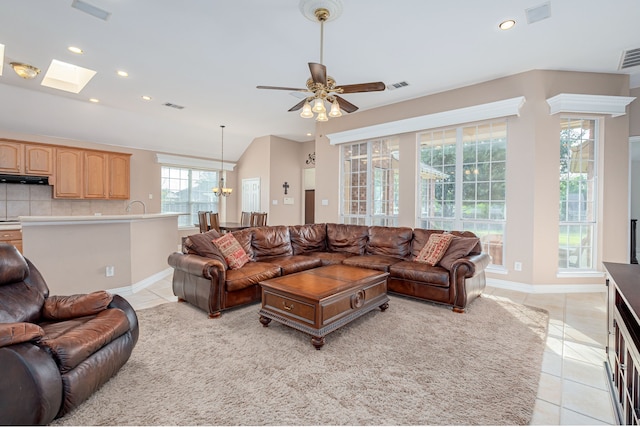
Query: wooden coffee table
323, 299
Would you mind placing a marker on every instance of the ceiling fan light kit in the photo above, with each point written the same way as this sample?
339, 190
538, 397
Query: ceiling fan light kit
323, 88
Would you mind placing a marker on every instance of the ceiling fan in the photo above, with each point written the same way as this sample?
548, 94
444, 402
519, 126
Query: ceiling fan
323, 87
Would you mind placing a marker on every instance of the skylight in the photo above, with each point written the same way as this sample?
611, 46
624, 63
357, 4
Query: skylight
67, 77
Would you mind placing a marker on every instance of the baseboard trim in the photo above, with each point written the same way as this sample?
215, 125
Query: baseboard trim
546, 289
144, 283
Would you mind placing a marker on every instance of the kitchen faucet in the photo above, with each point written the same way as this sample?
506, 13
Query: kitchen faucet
144, 207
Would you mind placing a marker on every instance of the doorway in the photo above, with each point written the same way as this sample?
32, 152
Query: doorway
309, 206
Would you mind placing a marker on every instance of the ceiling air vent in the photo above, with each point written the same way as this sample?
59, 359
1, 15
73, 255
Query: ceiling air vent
91, 9
630, 58
538, 13
397, 85
176, 106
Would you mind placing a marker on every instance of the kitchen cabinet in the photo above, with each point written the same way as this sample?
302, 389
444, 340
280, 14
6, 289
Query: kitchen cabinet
10, 157
95, 175
68, 173
38, 160
119, 175
13, 237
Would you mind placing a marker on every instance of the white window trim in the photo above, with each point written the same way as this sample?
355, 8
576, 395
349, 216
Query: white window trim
589, 104
476, 113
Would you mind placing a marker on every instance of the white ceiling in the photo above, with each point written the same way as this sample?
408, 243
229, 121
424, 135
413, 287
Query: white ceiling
209, 56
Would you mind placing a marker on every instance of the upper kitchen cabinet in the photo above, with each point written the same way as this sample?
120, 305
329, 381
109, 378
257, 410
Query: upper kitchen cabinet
119, 165
68, 176
38, 160
25, 159
95, 175
10, 157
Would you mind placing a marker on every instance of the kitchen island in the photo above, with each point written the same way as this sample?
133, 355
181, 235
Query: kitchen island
119, 253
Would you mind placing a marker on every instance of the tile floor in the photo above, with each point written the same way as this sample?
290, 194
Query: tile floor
573, 386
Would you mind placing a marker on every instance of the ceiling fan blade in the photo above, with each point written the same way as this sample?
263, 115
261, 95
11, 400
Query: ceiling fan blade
363, 87
295, 89
318, 73
346, 105
298, 105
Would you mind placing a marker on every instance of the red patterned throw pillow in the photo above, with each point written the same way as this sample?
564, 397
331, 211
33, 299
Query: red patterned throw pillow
231, 250
435, 248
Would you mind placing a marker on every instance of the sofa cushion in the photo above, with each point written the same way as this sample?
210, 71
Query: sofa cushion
17, 332
329, 258
477, 248
293, 263
71, 342
390, 241
271, 241
435, 248
69, 307
458, 248
420, 239
202, 244
374, 262
250, 274
347, 238
419, 272
308, 238
231, 250
244, 237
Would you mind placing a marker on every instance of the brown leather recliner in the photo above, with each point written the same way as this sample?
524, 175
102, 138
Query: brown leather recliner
55, 351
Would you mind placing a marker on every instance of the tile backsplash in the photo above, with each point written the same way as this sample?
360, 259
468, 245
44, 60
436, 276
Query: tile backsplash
37, 200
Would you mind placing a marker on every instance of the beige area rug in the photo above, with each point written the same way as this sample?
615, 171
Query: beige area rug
415, 363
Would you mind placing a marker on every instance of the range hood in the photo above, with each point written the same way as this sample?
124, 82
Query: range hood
24, 179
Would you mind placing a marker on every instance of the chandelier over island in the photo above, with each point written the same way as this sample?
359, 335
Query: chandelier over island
221, 190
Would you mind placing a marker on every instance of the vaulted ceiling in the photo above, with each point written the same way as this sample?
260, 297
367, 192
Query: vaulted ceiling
208, 56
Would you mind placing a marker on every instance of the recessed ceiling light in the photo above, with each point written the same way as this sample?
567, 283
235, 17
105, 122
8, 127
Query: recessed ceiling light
94, 100
75, 49
309, 134
146, 98
123, 73
506, 25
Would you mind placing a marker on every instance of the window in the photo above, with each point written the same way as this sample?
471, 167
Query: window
462, 182
370, 182
188, 190
578, 184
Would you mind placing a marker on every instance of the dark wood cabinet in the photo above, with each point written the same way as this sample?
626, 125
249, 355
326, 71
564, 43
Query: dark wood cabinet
623, 340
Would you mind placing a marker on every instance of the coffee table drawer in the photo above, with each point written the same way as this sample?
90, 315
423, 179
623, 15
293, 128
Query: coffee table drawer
290, 307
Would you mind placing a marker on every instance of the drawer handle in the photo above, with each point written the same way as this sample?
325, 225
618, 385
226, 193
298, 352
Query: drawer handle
287, 307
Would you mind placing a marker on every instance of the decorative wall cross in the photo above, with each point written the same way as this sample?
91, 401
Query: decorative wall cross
285, 186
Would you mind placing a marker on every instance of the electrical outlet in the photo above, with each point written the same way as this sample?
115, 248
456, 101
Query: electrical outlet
517, 266
110, 271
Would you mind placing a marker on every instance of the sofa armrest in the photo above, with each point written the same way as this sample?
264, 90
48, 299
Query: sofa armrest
31, 387
199, 266
474, 264
468, 279
123, 304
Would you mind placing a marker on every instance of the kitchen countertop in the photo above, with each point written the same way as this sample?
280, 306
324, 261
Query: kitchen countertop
10, 225
36, 220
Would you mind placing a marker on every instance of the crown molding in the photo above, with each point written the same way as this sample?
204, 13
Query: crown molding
593, 104
191, 162
491, 110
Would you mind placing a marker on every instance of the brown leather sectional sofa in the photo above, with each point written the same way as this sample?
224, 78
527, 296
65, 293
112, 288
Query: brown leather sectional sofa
202, 278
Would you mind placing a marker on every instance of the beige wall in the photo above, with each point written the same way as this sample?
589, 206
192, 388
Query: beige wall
532, 167
634, 113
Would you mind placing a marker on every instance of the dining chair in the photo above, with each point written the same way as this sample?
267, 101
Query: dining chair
258, 219
245, 218
203, 221
214, 221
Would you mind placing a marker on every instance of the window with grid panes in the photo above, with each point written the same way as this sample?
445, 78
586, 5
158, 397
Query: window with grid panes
370, 182
462, 182
188, 190
578, 193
